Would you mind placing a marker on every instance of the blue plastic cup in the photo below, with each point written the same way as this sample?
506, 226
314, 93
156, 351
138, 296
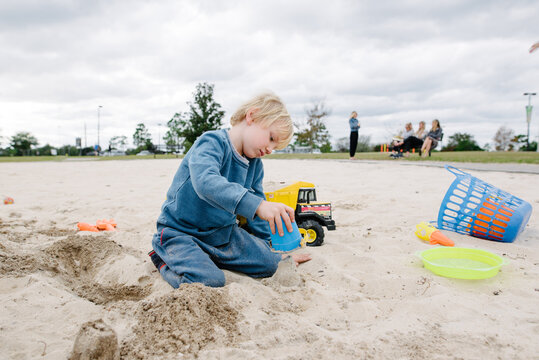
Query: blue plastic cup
289, 241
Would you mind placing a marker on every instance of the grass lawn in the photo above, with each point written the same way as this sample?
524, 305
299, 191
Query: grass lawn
453, 156
83, 158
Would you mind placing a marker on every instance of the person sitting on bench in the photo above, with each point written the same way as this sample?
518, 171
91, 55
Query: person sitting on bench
415, 141
398, 142
431, 141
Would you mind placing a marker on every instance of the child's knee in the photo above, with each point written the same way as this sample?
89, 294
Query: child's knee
216, 281
213, 277
170, 277
272, 266
267, 268
207, 278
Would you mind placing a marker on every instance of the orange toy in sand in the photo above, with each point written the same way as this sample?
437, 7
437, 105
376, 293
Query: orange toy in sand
8, 200
427, 232
107, 225
101, 225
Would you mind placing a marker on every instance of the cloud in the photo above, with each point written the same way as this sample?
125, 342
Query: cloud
464, 63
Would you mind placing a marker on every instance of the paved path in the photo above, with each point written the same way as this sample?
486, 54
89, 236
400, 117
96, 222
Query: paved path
503, 167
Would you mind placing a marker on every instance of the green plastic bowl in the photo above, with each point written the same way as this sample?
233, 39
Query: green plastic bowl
461, 263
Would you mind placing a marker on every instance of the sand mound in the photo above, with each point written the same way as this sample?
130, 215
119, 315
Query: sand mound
286, 275
182, 322
96, 341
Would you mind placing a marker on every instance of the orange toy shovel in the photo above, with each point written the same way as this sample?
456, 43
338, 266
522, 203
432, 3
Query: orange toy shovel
87, 227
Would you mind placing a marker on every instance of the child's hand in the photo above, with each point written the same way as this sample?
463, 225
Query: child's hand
273, 212
299, 258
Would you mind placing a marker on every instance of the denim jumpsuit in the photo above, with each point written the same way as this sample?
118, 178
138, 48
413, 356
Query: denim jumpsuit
197, 232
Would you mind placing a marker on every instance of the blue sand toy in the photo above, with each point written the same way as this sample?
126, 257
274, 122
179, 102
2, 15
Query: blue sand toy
289, 241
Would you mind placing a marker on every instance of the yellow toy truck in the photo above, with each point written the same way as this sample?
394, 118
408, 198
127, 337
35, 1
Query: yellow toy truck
310, 214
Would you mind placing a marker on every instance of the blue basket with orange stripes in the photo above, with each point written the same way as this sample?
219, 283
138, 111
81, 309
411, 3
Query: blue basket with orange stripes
474, 207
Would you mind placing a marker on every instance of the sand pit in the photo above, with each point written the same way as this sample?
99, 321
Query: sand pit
364, 295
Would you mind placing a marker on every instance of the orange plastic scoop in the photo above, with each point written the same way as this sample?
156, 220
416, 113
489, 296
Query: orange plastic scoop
87, 227
101, 225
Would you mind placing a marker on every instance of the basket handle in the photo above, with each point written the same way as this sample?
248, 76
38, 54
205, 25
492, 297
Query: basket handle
455, 171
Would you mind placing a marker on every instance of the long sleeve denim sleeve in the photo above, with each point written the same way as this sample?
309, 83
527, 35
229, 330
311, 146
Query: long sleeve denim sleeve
259, 227
212, 185
227, 193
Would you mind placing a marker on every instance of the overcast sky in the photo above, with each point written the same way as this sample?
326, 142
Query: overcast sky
465, 63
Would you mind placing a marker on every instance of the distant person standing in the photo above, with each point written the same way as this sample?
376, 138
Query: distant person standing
354, 129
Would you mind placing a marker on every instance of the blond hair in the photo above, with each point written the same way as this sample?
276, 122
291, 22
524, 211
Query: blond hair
269, 110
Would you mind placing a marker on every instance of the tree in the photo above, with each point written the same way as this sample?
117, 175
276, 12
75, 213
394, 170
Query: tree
522, 142
172, 137
315, 134
142, 138
73, 150
462, 142
204, 114
342, 144
44, 150
117, 142
363, 144
22, 142
502, 139
325, 148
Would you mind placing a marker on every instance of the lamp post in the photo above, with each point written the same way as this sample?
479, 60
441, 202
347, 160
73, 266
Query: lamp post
159, 137
528, 117
98, 120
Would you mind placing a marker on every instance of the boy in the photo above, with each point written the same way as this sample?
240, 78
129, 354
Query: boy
220, 178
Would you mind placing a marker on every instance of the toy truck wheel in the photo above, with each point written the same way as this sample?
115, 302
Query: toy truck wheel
314, 232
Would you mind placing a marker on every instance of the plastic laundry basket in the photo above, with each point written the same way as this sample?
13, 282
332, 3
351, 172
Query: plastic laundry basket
474, 207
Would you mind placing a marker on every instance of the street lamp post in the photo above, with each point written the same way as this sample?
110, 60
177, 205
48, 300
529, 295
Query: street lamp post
98, 120
528, 118
159, 137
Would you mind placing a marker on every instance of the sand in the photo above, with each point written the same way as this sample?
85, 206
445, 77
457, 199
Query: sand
365, 295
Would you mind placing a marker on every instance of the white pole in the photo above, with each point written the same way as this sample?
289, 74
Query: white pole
98, 120
528, 119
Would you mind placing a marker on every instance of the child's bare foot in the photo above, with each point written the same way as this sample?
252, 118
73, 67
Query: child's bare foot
299, 258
